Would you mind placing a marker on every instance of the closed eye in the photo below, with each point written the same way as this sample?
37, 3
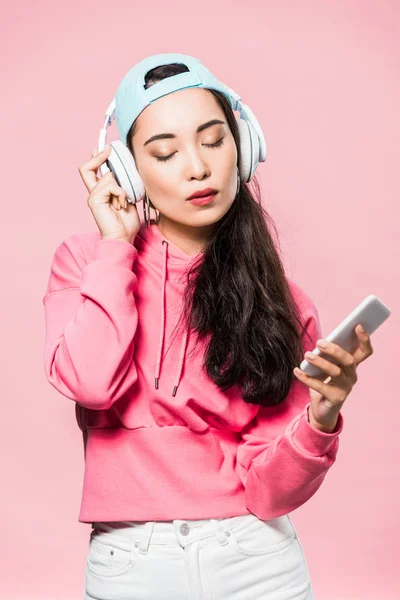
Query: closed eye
216, 145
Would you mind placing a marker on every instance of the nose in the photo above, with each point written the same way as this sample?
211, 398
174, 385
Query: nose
197, 167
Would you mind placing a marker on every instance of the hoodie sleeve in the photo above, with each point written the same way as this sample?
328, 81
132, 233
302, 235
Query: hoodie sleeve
282, 459
90, 321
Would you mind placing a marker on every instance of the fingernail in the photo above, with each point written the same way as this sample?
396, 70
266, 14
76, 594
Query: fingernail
361, 329
322, 343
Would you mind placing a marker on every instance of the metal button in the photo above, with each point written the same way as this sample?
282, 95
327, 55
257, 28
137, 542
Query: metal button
184, 529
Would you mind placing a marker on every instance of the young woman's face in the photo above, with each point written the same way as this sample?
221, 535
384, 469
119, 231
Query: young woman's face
187, 161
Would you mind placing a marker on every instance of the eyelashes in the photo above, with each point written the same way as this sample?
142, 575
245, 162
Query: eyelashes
216, 145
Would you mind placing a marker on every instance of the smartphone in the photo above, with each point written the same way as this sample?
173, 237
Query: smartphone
370, 313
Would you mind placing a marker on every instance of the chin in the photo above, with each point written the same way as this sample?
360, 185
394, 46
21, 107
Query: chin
209, 214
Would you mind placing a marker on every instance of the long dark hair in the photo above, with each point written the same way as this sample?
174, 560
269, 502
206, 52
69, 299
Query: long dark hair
237, 297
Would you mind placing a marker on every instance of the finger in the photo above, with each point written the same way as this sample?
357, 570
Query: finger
103, 182
365, 348
106, 192
340, 373
109, 183
120, 199
323, 364
332, 393
114, 200
118, 195
343, 357
89, 169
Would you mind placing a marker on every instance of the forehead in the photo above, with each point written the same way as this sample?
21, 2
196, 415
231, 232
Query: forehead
183, 109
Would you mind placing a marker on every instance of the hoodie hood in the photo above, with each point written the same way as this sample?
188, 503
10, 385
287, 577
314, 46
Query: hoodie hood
151, 242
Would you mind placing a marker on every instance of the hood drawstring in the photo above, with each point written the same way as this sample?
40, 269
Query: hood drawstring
162, 327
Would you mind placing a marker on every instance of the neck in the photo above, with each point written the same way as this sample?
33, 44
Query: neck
191, 240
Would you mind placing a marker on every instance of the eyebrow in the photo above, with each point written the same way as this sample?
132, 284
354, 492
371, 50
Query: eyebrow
162, 136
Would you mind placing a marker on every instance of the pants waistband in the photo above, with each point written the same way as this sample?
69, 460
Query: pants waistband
129, 534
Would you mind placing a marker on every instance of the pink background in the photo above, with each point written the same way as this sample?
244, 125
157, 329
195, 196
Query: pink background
323, 79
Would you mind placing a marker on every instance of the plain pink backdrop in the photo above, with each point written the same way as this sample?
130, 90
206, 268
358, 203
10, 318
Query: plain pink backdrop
323, 80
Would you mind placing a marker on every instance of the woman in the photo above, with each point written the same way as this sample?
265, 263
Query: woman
195, 454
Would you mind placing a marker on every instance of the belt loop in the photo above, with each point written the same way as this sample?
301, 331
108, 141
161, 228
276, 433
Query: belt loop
219, 532
144, 542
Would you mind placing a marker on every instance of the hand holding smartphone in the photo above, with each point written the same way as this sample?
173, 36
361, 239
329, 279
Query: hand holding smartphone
370, 313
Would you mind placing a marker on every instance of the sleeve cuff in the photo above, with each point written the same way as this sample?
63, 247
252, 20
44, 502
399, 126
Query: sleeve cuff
313, 440
116, 251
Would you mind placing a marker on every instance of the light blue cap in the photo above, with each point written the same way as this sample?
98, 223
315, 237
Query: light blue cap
132, 97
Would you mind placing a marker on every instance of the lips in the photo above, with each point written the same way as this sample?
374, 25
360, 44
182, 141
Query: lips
202, 193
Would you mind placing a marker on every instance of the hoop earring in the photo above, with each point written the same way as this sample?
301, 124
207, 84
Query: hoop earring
146, 211
238, 183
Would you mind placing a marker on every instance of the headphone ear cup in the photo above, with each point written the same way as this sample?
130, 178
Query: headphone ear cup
249, 149
121, 163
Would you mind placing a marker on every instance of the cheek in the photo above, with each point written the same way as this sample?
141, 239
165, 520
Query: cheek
165, 180
158, 177
229, 168
229, 160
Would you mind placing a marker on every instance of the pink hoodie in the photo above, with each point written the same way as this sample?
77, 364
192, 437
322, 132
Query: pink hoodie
150, 454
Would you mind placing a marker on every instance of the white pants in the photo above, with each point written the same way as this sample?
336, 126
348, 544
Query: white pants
235, 558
